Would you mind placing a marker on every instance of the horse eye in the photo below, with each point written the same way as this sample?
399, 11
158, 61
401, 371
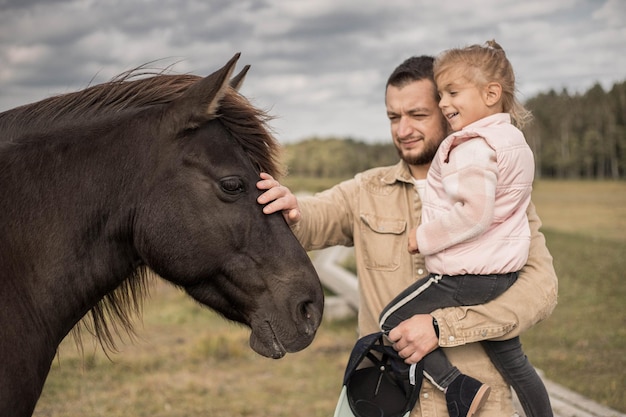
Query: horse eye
232, 185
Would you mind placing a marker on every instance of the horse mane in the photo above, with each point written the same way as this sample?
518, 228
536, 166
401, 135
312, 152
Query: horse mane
136, 89
140, 88
132, 89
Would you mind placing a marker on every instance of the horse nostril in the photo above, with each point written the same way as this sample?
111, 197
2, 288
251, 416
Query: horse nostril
311, 317
304, 310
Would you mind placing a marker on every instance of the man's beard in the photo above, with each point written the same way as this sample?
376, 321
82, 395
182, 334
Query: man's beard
423, 158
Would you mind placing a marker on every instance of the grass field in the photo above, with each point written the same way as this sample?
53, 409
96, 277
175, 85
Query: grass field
583, 344
187, 361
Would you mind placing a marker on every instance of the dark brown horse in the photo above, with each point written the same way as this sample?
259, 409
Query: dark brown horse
154, 172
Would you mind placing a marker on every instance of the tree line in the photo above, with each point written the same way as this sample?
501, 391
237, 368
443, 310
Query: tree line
579, 136
336, 157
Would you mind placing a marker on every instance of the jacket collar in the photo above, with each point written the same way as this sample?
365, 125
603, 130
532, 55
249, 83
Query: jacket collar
399, 172
494, 119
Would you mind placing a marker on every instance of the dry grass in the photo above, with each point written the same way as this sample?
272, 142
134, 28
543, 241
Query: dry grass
591, 208
583, 344
188, 361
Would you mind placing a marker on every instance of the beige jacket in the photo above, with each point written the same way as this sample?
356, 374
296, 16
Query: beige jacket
374, 212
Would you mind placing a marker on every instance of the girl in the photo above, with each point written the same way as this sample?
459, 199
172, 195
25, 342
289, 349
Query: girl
474, 232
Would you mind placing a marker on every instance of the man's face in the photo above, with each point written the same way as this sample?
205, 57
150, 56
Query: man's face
417, 125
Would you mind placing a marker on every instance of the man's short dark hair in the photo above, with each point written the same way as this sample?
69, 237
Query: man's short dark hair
413, 69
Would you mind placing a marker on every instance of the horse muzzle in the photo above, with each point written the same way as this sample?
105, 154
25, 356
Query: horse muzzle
273, 338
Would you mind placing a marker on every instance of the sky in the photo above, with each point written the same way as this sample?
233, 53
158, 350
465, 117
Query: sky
319, 67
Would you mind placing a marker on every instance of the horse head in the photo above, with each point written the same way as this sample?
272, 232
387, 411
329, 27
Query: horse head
201, 228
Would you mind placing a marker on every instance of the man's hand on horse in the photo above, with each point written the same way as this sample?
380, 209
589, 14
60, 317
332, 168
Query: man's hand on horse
278, 198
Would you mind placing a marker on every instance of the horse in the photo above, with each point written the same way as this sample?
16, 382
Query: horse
148, 172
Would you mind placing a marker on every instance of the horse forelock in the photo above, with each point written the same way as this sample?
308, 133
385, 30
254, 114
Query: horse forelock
250, 127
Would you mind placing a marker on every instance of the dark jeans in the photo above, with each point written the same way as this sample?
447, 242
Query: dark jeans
439, 291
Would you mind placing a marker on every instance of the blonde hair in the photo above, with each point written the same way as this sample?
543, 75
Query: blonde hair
482, 64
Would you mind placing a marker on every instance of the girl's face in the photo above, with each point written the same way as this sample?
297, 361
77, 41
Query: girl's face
463, 102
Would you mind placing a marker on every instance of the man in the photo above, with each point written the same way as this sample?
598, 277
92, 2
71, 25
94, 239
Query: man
375, 210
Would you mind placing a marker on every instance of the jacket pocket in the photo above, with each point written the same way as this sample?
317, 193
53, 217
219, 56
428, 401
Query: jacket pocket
382, 240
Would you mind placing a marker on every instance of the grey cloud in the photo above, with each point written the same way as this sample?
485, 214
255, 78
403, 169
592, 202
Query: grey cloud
320, 66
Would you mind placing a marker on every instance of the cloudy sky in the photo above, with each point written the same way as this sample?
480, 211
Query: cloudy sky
318, 66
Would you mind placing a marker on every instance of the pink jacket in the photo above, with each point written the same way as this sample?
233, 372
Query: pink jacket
474, 209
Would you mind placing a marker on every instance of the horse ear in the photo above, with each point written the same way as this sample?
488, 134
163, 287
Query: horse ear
238, 79
200, 102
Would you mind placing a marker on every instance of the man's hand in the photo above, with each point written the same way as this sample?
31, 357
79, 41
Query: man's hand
278, 198
414, 338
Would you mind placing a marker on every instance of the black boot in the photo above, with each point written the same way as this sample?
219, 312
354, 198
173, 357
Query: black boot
465, 395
